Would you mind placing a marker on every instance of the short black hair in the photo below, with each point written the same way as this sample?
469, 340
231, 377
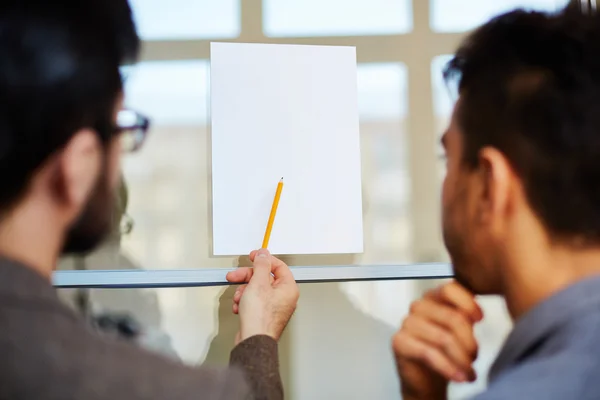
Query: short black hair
59, 73
529, 86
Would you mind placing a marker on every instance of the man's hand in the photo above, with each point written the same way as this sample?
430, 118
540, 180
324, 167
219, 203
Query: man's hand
267, 300
436, 343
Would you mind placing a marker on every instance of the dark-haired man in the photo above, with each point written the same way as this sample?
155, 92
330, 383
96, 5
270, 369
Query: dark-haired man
62, 131
521, 214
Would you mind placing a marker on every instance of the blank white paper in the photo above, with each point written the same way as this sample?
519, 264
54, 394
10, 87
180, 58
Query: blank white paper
285, 111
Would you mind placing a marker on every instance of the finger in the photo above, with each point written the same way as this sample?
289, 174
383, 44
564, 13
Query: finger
456, 295
236, 308
240, 275
434, 335
262, 266
237, 296
406, 346
281, 271
253, 255
449, 318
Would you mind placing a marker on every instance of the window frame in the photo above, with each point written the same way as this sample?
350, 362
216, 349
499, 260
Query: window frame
153, 279
416, 50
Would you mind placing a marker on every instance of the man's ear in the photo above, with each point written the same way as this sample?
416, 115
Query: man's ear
496, 173
80, 164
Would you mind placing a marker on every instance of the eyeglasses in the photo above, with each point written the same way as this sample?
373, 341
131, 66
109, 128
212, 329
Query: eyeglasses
132, 128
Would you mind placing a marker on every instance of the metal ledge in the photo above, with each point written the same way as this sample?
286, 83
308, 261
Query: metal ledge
128, 279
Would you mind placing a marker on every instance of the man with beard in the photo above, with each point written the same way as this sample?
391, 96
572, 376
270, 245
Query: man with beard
62, 131
521, 214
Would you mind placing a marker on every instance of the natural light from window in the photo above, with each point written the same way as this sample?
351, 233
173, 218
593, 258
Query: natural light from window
291, 18
187, 19
464, 15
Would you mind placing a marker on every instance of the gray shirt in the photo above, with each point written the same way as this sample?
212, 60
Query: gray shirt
49, 353
553, 352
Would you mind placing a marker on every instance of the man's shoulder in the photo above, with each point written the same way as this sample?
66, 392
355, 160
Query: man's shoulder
48, 353
570, 371
553, 351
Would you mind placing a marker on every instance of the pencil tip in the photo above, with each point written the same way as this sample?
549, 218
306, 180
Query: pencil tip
282, 178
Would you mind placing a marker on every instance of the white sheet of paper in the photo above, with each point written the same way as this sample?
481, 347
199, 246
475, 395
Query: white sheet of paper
285, 111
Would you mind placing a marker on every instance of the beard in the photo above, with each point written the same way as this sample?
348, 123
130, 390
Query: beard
457, 249
455, 231
95, 222
473, 259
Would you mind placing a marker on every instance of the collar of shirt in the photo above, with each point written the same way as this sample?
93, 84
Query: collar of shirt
543, 319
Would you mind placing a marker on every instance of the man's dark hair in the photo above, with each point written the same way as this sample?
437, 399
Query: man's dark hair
529, 85
59, 73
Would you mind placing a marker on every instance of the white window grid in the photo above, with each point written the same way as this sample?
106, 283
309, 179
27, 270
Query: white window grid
415, 49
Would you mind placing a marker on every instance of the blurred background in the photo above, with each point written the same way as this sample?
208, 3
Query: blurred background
338, 345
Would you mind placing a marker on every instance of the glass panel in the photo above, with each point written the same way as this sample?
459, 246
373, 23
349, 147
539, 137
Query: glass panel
443, 103
187, 19
352, 360
464, 15
168, 180
336, 17
386, 181
443, 97
170, 92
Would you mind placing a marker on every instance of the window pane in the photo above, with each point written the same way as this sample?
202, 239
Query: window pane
382, 91
386, 181
168, 180
443, 97
336, 347
464, 15
443, 103
170, 92
187, 19
336, 17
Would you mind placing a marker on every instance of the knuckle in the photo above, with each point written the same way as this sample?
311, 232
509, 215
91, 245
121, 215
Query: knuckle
411, 324
427, 354
398, 341
473, 349
447, 291
445, 339
405, 325
455, 318
394, 343
436, 361
415, 306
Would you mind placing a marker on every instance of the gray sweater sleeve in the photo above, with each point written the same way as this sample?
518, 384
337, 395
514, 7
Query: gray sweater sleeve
49, 355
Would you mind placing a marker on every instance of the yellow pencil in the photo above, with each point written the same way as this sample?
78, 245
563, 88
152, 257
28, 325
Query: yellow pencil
265, 243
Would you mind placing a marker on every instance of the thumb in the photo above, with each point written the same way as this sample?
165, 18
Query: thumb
262, 266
